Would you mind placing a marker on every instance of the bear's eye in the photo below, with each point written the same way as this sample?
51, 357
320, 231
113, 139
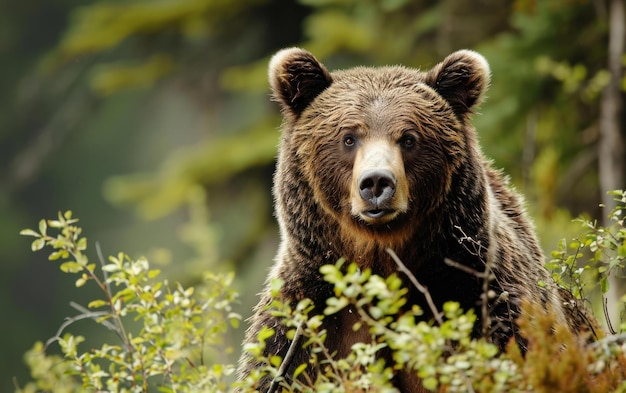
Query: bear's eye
349, 140
407, 141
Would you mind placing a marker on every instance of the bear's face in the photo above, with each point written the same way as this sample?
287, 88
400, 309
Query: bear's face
379, 146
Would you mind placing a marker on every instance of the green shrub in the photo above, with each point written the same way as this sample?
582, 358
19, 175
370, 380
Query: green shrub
586, 264
178, 326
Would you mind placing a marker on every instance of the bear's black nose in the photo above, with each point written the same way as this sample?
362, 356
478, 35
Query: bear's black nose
377, 186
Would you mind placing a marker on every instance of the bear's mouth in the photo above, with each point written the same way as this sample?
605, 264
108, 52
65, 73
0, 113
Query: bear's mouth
378, 214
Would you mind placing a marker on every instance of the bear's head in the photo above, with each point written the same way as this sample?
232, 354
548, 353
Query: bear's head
379, 147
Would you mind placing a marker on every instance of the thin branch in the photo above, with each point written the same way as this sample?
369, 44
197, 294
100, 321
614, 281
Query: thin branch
417, 285
86, 311
288, 358
102, 263
465, 269
605, 308
69, 321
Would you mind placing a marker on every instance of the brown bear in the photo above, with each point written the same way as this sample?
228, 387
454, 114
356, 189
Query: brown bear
378, 158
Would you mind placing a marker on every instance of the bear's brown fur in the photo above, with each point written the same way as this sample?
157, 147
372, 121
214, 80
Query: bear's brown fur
377, 158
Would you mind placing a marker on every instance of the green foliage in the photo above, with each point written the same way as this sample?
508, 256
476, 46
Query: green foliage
165, 331
442, 355
590, 260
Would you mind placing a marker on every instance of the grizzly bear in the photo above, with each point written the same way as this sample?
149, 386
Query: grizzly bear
372, 159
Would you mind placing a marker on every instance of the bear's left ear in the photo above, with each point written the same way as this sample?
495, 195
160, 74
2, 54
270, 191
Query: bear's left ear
296, 78
462, 79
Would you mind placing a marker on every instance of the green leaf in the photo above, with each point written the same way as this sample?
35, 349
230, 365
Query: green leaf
125, 294
29, 232
104, 318
255, 349
53, 224
111, 267
80, 282
153, 273
82, 243
70, 267
299, 370
334, 305
69, 344
451, 309
42, 227
38, 244
97, 303
265, 333
276, 360
58, 254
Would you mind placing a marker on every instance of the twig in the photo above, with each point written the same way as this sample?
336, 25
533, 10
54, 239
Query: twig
417, 285
94, 315
287, 360
605, 308
102, 263
69, 321
465, 269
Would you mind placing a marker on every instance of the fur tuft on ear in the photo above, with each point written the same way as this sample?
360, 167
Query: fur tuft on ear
462, 79
296, 78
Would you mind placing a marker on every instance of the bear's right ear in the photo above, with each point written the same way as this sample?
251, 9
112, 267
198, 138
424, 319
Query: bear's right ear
296, 78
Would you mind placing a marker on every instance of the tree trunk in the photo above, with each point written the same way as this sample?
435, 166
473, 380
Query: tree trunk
611, 154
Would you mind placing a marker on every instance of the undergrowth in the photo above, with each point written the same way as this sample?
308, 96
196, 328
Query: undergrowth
168, 336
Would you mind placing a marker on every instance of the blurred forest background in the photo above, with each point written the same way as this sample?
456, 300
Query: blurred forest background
151, 121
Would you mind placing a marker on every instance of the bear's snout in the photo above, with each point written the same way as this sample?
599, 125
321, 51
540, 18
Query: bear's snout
377, 187
379, 190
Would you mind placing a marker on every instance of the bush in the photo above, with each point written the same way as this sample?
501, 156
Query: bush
585, 263
177, 326
166, 331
